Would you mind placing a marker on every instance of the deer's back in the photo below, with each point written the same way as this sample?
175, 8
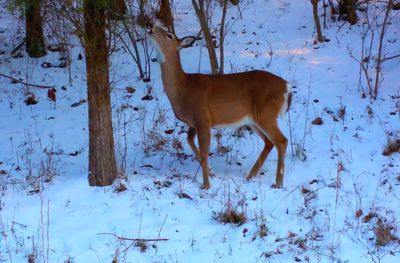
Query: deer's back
236, 96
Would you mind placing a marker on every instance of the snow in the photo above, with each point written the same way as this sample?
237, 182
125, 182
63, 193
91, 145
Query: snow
314, 218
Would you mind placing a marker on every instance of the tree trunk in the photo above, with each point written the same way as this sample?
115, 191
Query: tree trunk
347, 9
202, 16
34, 29
102, 163
117, 9
320, 37
165, 15
222, 37
142, 19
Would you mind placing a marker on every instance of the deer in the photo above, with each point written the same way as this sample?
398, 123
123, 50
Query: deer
254, 98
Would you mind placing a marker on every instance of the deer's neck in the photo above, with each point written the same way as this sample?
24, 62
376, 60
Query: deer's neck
173, 77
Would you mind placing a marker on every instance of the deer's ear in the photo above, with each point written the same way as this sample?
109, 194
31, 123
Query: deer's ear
186, 42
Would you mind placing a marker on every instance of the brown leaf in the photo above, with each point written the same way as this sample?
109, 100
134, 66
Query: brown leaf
305, 190
368, 217
340, 167
147, 97
359, 213
169, 131
31, 100
130, 90
342, 112
120, 188
184, 195
51, 94
317, 121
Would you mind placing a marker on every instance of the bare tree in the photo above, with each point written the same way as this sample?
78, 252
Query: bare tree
201, 9
164, 14
222, 36
102, 162
320, 37
373, 33
132, 29
142, 19
117, 9
347, 10
379, 60
35, 45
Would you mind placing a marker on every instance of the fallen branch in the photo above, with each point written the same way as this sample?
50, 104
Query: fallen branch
28, 84
19, 46
135, 239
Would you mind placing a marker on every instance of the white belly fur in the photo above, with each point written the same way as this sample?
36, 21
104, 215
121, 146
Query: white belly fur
244, 121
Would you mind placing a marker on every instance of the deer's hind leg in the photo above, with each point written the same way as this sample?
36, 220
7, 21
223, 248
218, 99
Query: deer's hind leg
274, 134
268, 145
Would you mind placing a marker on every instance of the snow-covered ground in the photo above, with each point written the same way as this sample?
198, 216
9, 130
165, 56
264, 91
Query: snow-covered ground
340, 200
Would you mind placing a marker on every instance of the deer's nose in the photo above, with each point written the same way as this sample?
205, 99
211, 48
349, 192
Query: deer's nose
149, 27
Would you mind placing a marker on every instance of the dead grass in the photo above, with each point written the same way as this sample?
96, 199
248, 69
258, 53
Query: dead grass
120, 188
383, 233
231, 216
391, 147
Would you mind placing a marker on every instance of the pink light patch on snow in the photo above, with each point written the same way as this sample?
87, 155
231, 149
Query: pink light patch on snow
247, 54
294, 51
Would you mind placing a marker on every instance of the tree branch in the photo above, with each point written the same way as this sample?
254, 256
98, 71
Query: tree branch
135, 239
391, 57
27, 84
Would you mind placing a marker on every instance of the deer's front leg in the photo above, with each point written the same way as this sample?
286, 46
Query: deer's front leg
204, 135
190, 139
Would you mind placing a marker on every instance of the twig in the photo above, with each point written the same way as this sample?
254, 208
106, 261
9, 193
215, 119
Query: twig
385, 25
163, 224
28, 84
19, 46
391, 57
4, 234
135, 239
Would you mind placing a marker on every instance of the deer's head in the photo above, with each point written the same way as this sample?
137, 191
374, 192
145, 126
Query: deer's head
168, 44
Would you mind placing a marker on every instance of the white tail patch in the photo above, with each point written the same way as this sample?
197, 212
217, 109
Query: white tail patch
285, 105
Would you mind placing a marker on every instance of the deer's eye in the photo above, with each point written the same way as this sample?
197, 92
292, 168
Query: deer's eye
170, 36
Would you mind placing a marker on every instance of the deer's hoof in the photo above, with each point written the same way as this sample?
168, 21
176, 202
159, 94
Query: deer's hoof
249, 177
277, 186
